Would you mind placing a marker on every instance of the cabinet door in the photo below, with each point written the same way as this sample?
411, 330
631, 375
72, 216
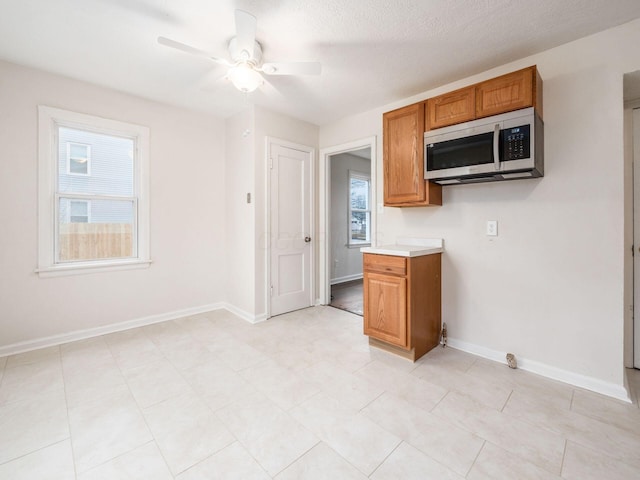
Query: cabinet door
403, 141
385, 308
505, 93
451, 108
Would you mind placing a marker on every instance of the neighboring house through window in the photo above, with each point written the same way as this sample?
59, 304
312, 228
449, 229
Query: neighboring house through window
78, 211
93, 204
359, 208
78, 159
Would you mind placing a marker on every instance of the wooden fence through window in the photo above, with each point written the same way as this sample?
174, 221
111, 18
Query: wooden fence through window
89, 241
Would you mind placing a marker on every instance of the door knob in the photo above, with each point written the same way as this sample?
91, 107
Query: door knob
307, 239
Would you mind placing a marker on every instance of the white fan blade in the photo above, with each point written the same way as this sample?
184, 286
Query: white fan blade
167, 42
245, 32
292, 68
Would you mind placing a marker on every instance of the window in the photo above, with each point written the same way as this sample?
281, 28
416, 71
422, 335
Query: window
78, 159
93, 205
359, 208
78, 211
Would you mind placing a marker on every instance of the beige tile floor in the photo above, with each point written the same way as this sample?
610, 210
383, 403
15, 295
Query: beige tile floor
301, 396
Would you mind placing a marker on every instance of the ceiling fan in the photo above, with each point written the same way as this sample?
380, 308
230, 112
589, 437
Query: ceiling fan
245, 67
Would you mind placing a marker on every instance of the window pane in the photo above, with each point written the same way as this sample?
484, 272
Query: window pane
107, 234
359, 194
79, 166
360, 227
78, 151
108, 171
78, 211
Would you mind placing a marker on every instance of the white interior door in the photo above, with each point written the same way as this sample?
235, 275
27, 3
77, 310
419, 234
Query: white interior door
291, 236
636, 238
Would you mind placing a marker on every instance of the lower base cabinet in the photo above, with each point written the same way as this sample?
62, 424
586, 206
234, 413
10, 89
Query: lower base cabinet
402, 303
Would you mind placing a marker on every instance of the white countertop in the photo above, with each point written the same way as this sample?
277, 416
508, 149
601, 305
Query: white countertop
408, 247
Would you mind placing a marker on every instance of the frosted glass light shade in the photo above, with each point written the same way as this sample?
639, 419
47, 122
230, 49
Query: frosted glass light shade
244, 78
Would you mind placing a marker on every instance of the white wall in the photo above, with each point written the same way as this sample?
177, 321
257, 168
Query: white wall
187, 213
240, 222
549, 288
346, 263
247, 232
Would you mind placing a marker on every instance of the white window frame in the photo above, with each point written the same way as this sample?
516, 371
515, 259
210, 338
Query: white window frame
350, 241
88, 202
49, 121
88, 159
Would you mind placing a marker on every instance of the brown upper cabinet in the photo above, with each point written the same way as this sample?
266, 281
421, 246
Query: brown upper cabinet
403, 130
404, 184
451, 108
513, 91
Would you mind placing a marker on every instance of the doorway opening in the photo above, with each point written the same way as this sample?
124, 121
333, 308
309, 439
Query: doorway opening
347, 218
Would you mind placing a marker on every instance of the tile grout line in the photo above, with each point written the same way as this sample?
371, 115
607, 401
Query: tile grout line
385, 458
564, 455
573, 394
66, 404
484, 442
140, 409
440, 401
507, 400
289, 464
369, 403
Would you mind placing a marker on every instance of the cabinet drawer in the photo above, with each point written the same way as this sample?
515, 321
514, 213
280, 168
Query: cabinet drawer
385, 264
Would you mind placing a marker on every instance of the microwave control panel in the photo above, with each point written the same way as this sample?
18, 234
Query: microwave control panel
516, 143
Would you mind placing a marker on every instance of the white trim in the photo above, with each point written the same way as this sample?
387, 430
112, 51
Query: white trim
49, 119
635, 158
267, 227
346, 278
249, 317
53, 340
83, 268
576, 379
324, 231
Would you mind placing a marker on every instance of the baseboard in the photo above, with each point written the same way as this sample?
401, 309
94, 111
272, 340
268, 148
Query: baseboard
576, 379
249, 317
106, 329
348, 278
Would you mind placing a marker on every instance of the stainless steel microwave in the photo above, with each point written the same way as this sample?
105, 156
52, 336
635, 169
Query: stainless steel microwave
508, 146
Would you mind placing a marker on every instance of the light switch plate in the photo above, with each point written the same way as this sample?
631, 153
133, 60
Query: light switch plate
492, 228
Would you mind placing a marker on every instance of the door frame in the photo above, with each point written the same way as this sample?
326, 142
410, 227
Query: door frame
635, 152
324, 207
311, 153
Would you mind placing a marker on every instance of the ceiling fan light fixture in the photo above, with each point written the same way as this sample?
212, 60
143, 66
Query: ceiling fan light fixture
245, 78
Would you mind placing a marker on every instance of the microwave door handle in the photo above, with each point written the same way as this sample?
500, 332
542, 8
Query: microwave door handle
496, 146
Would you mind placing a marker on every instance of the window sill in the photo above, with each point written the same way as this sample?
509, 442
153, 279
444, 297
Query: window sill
83, 268
357, 245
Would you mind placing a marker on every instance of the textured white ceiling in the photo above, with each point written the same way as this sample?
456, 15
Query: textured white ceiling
372, 51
